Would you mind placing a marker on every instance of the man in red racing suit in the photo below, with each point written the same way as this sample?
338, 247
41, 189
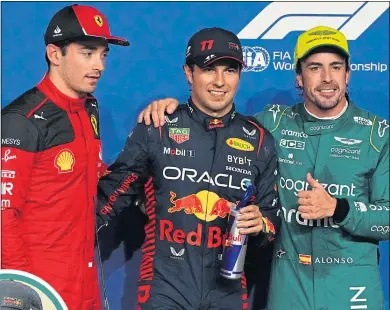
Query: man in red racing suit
51, 162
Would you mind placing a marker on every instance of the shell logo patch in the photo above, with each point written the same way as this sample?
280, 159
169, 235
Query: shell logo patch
94, 124
64, 161
240, 144
98, 20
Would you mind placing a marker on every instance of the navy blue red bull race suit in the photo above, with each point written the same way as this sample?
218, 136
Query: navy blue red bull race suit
189, 169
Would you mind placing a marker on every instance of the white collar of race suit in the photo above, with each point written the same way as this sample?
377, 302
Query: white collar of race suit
327, 117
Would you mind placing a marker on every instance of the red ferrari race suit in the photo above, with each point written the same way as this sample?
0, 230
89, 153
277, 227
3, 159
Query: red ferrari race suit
51, 161
197, 163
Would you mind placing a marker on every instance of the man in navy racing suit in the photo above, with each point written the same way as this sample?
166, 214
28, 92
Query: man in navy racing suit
199, 164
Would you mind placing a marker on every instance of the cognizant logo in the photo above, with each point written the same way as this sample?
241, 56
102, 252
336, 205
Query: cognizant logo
342, 150
382, 229
293, 215
333, 189
321, 127
278, 19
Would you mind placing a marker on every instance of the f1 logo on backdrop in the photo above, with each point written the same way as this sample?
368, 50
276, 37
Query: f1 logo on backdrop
278, 19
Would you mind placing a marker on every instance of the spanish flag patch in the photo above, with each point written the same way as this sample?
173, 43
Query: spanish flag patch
305, 259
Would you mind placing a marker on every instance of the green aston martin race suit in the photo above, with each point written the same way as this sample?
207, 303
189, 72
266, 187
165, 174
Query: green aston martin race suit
326, 264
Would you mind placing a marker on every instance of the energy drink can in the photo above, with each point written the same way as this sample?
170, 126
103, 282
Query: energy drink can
233, 257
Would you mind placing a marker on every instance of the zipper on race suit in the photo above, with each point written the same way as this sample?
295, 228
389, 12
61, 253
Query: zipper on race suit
205, 230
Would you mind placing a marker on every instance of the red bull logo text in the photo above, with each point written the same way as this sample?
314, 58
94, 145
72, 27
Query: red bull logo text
205, 205
234, 238
169, 233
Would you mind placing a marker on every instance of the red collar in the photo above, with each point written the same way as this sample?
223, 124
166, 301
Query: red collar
67, 103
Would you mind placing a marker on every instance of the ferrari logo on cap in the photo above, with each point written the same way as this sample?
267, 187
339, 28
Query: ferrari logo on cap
98, 20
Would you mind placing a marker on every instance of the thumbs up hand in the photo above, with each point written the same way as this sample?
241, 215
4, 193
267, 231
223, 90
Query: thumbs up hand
316, 203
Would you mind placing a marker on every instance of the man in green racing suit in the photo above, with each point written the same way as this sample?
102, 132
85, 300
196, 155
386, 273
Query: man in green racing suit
333, 184
330, 263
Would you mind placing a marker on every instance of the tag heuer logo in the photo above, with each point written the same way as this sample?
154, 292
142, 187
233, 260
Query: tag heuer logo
179, 135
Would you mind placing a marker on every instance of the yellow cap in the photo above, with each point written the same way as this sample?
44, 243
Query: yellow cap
320, 36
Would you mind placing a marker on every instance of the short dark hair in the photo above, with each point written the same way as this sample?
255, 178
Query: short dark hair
191, 65
63, 45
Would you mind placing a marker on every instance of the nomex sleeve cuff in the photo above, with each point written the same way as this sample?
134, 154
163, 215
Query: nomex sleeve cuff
341, 211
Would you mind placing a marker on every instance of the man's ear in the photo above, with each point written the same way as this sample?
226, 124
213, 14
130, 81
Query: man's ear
347, 77
299, 79
53, 53
188, 73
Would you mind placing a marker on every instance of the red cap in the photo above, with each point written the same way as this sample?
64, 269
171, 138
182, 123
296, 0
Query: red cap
77, 21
